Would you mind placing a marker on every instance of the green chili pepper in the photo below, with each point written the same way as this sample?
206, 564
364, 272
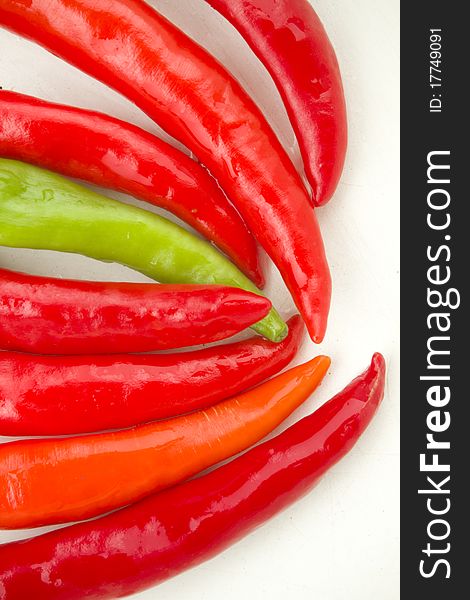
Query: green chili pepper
42, 210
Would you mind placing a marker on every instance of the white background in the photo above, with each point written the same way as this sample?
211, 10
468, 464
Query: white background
341, 541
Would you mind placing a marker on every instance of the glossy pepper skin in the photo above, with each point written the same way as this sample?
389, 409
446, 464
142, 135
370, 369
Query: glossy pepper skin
119, 156
46, 481
190, 94
290, 40
163, 535
60, 316
42, 210
70, 395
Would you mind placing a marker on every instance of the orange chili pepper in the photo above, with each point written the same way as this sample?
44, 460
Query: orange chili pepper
57, 480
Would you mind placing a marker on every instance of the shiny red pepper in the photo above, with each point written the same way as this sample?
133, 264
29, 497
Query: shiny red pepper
163, 535
119, 156
290, 40
67, 395
135, 50
60, 316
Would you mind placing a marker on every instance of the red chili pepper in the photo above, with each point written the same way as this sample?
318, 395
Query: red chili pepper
133, 49
68, 479
119, 156
60, 316
169, 532
290, 40
67, 395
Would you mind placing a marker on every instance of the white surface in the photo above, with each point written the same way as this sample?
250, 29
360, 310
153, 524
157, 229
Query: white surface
341, 541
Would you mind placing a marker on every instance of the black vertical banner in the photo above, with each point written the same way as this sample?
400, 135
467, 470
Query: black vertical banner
435, 259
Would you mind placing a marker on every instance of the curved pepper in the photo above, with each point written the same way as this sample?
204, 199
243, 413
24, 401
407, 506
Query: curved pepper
42, 210
290, 40
163, 535
59, 316
119, 156
135, 50
70, 395
68, 479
